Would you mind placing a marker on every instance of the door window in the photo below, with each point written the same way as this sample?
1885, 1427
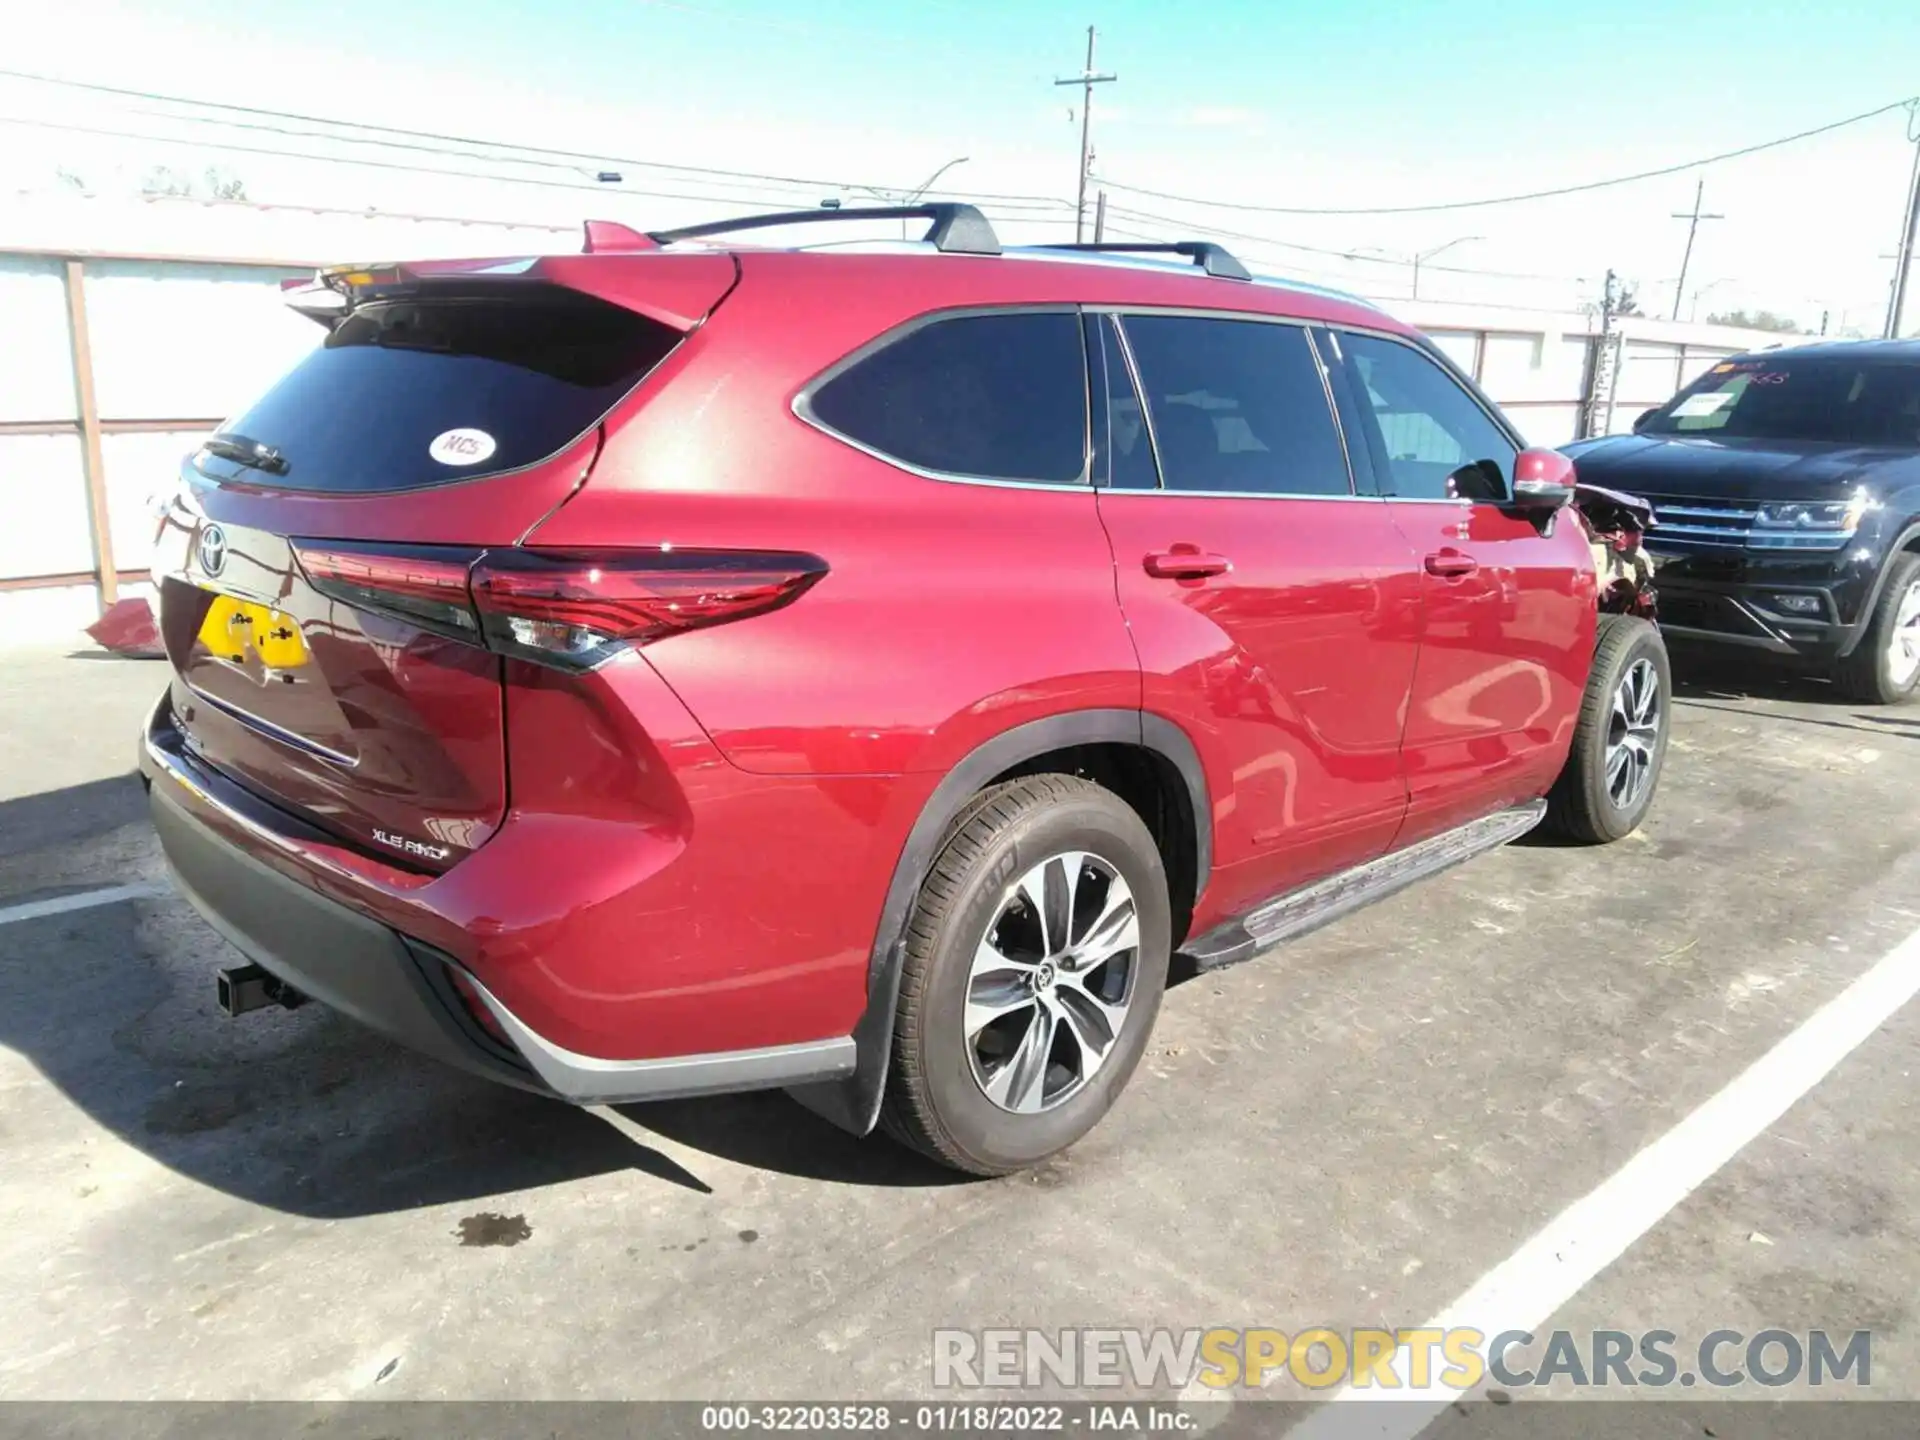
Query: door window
1430, 439
1237, 406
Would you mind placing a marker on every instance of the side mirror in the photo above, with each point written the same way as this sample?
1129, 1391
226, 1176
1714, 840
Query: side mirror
1640, 420
1542, 480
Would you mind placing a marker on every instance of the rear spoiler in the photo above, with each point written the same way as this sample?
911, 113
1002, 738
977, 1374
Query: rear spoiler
677, 290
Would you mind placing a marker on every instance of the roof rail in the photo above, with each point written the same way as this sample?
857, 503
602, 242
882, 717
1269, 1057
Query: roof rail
956, 229
1216, 260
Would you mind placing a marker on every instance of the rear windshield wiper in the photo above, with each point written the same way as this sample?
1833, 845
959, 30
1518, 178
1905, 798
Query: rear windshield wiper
251, 453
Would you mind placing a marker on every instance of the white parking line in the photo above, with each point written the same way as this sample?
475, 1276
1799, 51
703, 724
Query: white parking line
1529, 1286
85, 900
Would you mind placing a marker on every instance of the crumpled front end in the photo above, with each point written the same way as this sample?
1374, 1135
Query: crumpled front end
1616, 524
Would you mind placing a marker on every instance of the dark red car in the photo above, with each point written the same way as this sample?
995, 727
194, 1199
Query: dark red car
680, 667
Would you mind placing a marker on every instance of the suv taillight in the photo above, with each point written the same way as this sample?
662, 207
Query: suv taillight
577, 608
571, 608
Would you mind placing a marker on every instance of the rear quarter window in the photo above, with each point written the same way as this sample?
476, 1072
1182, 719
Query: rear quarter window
409, 393
992, 397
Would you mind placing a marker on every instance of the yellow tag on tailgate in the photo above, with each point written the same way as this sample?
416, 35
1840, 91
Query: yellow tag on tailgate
235, 627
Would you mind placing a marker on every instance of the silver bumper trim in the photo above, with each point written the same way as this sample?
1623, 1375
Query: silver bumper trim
589, 1080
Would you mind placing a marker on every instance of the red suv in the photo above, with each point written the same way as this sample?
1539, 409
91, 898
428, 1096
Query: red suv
683, 667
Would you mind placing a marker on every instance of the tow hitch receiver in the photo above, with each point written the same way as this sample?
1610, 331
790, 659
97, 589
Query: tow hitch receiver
247, 987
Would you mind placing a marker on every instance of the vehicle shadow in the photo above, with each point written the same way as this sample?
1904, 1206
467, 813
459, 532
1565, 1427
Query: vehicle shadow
1709, 672
304, 1111
1706, 679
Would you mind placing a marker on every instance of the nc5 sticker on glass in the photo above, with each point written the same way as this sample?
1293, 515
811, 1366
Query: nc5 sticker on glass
461, 447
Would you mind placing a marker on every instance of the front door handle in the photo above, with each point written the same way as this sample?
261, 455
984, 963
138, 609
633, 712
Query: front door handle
1185, 562
1451, 563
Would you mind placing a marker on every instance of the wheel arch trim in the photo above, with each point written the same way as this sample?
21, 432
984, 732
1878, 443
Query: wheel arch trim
854, 1103
1903, 543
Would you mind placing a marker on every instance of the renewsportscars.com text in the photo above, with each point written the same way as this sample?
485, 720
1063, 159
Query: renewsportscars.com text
1459, 1359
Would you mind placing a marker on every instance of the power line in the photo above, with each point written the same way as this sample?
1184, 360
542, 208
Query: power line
1513, 199
1353, 255
415, 169
532, 162
535, 150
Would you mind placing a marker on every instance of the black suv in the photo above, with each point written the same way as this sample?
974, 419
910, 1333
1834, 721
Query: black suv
1786, 484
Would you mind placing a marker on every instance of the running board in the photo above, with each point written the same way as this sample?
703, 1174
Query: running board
1325, 901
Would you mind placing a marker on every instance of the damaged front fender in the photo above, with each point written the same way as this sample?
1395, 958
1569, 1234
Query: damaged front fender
1617, 524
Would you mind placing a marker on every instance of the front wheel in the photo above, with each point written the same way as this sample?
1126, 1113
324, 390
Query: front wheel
1620, 738
1035, 959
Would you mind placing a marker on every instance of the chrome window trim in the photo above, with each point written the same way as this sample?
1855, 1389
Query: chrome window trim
802, 403
1110, 321
1249, 495
1119, 314
1333, 404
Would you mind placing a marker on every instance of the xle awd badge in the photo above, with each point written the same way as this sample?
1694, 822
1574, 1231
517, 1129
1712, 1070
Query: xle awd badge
213, 549
412, 847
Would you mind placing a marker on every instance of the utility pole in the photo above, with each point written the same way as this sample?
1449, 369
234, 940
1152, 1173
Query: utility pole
1903, 261
1598, 419
1693, 220
1086, 80
1100, 218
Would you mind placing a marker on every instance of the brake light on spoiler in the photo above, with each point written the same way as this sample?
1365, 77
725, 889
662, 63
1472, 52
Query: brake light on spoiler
574, 609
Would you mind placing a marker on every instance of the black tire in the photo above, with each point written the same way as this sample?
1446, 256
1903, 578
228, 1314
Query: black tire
1583, 806
934, 1102
1867, 675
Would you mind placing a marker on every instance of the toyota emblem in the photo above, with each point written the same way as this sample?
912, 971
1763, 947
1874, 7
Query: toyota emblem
213, 549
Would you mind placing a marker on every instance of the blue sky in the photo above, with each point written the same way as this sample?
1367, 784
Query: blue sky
1279, 103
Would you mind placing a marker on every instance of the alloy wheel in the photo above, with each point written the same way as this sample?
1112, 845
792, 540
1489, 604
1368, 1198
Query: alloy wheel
1633, 734
1051, 982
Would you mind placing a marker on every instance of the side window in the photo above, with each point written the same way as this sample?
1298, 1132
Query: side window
1430, 439
1237, 405
1001, 397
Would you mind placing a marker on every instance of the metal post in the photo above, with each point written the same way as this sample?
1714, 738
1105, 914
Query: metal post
1100, 217
1903, 261
94, 462
1597, 370
1086, 80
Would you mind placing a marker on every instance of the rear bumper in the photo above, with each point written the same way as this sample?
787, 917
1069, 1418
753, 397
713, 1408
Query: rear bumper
392, 982
341, 958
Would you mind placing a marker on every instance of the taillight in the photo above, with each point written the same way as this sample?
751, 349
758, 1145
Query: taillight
571, 608
577, 608
425, 585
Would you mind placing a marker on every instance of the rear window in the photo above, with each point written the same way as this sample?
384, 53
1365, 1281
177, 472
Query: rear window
1830, 398
409, 393
1000, 397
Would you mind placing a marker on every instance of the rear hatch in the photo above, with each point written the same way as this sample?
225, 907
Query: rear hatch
313, 565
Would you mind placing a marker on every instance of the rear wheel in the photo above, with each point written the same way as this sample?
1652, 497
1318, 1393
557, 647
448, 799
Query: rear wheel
1884, 668
1620, 738
1036, 956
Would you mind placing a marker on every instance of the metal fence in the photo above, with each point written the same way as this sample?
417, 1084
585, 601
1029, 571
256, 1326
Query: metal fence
115, 366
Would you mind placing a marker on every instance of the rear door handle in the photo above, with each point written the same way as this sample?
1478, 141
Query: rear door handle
1185, 562
1451, 563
